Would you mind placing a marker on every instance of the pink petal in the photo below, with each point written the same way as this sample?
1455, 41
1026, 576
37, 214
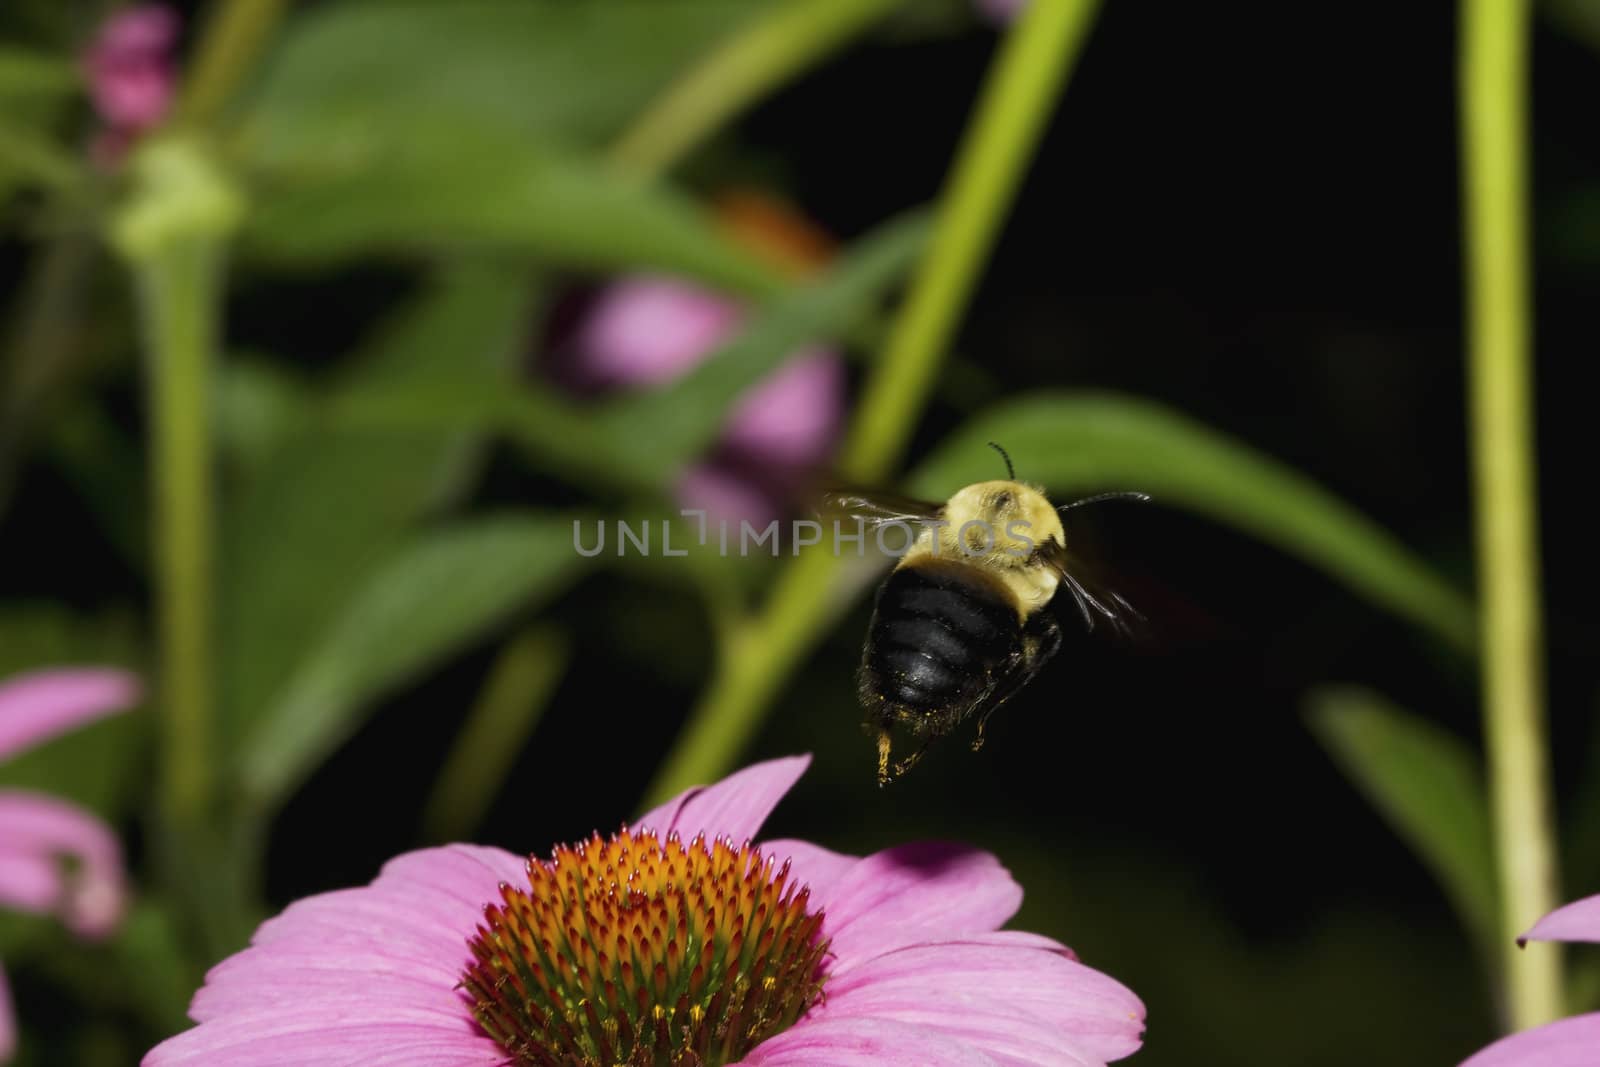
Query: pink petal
135, 96
1578, 921
829, 1042
281, 977
333, 1032
416, 964
1571, 1042
918, 892
405, 933
726, 497
1019, 1003
30, 881
812, 865
650, 330
364, 976
464, 873
734, 807
8, 1021
129, 66
792, 417
37, 706
36, 833
142, 30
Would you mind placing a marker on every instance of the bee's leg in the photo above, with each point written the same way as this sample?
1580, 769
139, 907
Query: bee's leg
977, 742
906, 764
1040, 641
994, 696
885, 741
989, 709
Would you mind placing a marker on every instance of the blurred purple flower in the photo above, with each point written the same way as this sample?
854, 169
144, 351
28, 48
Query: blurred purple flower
1571, 1042
1001, 10
627, 949
130, 73
648, 331
39, 832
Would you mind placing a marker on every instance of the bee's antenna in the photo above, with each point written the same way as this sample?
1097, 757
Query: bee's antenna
1010, 471
1140, 497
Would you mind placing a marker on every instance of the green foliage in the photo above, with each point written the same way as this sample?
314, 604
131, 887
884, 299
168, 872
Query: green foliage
366, 136
359, 74
608, 440
1429, 786
455, 187
25, 72
327, 508
1084, 443
427, 599
33, 86
148, 945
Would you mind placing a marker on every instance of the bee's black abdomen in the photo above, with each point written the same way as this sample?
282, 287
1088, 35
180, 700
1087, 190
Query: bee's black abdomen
939, 629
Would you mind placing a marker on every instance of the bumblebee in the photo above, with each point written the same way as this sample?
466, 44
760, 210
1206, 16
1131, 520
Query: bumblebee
962, 622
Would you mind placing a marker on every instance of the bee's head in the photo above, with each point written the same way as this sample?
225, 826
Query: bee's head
1003, 521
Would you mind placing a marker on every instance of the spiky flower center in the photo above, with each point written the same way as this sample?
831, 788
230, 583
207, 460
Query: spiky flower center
633, 952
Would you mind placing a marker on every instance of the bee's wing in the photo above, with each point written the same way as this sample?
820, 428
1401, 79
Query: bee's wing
874, 509
1093, 597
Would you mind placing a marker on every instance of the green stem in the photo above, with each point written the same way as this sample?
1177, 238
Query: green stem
747, 66
520, 685
173, 231
1037, 55
178, 298
234, 37
1494, 107
1021, 89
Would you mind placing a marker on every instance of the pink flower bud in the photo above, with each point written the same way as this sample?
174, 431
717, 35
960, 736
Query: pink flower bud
129, 66
648, 331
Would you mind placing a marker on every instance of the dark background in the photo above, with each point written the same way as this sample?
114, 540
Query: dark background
1247, 212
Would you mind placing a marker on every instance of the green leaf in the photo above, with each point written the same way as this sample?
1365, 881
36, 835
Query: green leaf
455, 187
1578, 18
643, 440
428, 599
1077, 443
41, 634
148, 947
26, 72
410, 127
1428, 785
260, 404
327, 505
30, 154
569, 71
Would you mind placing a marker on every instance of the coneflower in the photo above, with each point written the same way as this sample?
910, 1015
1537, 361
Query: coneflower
673, 942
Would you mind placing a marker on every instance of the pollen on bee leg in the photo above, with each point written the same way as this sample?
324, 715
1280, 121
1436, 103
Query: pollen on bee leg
910, 761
